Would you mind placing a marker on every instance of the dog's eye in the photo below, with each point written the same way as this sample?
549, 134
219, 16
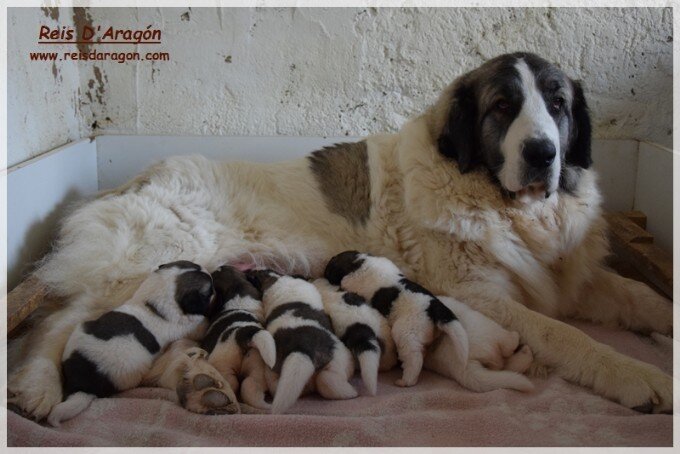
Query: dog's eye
502, 105
557, 103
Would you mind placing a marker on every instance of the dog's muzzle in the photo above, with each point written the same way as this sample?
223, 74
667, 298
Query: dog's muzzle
539, 153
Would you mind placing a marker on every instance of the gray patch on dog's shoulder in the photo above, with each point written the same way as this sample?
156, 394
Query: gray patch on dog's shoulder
343, 177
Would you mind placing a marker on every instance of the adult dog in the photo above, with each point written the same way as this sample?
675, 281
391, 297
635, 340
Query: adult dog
487, 196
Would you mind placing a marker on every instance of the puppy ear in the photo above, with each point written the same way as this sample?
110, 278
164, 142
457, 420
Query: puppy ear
195, 302
458, 137
578, 153
194, 292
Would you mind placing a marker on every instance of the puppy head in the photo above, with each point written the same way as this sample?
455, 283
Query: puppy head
522, 118
230, 283
341, 265
262, 279
193, 286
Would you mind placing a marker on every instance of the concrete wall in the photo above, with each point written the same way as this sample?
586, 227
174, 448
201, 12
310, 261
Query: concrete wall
319, 72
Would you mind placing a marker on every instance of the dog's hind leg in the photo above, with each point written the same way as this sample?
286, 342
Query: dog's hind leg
34, 386
520, 361
411, 349
254, 386
332, 381
334, 385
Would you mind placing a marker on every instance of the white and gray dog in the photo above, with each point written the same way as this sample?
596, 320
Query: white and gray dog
308, 353
236, 340
362, 329
411, 310
113, 353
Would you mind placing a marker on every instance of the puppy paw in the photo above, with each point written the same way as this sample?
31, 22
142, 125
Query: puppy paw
203, 390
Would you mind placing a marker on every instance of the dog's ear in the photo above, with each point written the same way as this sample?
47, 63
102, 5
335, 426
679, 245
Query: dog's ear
578, 153
458, 138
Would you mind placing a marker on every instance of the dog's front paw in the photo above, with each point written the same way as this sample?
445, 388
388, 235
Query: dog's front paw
637, 385
196, 353
202, 389
35, 388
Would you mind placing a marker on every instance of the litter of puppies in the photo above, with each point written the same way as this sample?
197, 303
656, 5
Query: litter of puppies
286, 336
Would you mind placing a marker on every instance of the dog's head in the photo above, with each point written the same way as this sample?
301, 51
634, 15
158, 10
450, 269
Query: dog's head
262, 279
229, 283
193, 285
522, 118
341, 265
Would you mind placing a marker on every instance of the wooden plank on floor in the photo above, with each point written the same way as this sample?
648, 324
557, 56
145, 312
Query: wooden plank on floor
635, 246
23, 300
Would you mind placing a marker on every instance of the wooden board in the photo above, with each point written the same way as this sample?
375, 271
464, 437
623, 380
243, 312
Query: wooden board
634, 247
23, 300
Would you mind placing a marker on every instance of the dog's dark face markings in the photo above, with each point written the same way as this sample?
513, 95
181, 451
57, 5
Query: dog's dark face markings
341, 265
194, 288
262, 279
523, 119
229, 283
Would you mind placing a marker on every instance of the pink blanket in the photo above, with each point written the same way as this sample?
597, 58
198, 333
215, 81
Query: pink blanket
436, 412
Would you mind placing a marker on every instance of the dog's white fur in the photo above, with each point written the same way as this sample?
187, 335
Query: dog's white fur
344, 315
521, 264
493, 362
533, 121
123, 359
297, 369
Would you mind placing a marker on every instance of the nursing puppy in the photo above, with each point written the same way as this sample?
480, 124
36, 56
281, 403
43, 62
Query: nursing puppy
115, 351
236, 340
307, 351
362, 329
494, 361
411, 310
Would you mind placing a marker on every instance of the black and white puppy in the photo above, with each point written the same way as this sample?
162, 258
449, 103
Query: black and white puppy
362, 329
236, 327
113, 353
307, 350
411, 310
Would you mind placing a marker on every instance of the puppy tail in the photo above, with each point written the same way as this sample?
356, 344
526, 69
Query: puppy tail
73, 405
478, 378
296, 371
369, 361
454, 329
264, 342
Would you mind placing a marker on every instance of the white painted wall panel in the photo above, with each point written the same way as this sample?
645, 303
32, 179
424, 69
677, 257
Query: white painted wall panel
122, 157
616, 163
654, 192
38, 193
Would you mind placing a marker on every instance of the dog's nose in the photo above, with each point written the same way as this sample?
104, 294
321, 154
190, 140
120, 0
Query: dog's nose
539, 153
